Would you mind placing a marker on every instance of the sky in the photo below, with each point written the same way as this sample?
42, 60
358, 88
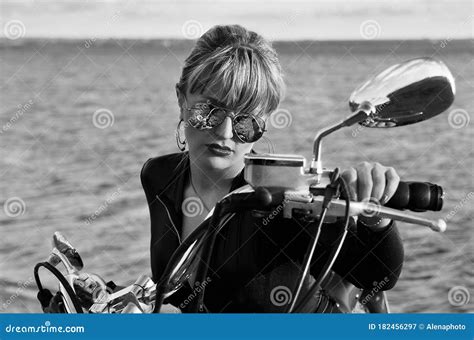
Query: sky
275, 19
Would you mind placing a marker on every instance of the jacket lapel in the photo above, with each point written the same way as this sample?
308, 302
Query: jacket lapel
172, 193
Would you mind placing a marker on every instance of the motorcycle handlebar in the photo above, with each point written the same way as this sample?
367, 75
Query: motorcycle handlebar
414, 196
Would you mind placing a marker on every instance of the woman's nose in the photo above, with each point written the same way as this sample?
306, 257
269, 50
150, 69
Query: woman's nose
224, 129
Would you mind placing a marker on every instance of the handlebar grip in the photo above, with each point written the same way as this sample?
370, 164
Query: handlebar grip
417, 196
260, 198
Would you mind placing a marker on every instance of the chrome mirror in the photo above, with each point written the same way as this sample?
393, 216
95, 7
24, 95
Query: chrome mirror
403, 94
406, 93
64, 252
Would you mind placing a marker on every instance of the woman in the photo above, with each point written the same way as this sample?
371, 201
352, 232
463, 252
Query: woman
233, 77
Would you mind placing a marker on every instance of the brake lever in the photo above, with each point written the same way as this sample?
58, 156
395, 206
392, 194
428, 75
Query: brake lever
313, 205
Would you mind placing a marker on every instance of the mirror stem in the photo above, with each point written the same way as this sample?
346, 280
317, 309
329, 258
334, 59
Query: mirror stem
364, 111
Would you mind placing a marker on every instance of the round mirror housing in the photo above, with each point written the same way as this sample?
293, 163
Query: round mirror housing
406, 93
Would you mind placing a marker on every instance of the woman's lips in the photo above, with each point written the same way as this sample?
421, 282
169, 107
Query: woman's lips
219, 150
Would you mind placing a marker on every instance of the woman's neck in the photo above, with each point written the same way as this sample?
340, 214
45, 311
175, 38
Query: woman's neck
215, 184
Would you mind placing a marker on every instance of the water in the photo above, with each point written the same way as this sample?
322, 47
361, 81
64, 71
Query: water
84, 181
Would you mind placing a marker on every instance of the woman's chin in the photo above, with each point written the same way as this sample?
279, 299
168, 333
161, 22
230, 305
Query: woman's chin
208, 161
216, 162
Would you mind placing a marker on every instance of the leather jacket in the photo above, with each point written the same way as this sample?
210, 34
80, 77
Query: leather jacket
251, 260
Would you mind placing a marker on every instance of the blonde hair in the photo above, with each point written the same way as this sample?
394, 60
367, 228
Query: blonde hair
239, 65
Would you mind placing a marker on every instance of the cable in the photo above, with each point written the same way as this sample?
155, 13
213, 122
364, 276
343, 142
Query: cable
333, 256
329, 193
307, 261
60, 277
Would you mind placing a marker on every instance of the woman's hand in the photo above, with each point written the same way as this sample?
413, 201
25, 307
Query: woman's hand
371, 182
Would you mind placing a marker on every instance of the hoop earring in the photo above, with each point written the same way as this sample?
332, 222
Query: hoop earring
180, 142
270, 146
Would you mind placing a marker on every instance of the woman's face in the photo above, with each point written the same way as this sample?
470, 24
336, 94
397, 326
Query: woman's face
217, 148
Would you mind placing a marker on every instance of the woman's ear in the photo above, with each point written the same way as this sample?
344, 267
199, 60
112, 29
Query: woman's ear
179, 95
180, 101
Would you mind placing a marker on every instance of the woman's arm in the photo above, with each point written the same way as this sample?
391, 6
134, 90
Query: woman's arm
373, 251
370, 258
366, 257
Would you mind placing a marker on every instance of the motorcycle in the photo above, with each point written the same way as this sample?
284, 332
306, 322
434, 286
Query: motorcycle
406, 93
